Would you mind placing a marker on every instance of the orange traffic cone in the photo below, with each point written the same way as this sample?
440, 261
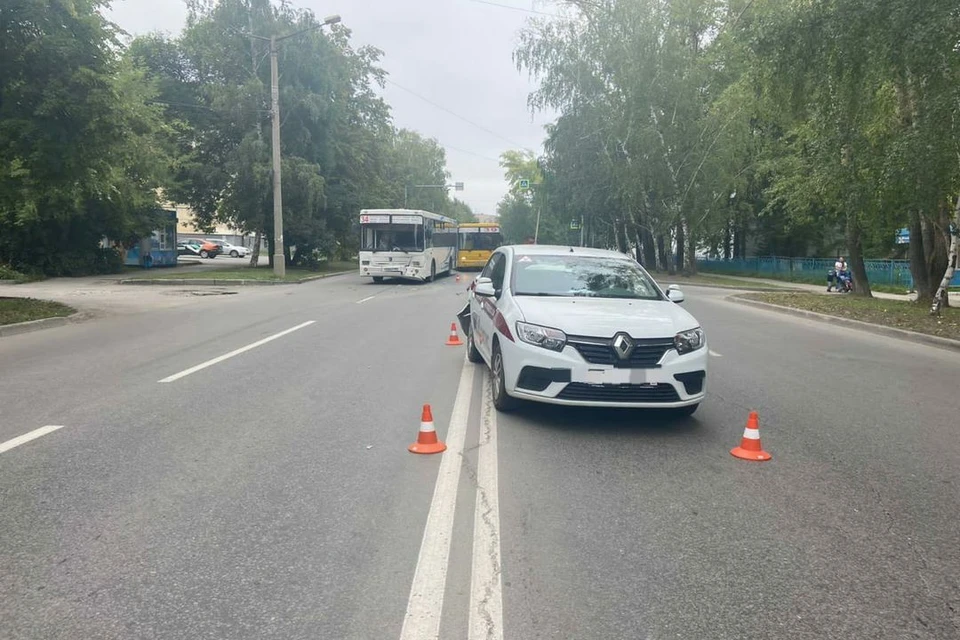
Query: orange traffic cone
454, 339
750, 448
427, 438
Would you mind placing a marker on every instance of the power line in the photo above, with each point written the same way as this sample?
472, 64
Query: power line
471, 153
507, 6
457, 115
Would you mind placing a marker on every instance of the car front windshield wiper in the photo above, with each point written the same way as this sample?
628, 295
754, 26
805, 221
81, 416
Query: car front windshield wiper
542, 294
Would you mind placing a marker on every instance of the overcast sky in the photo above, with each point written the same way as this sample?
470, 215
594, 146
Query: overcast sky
455, 53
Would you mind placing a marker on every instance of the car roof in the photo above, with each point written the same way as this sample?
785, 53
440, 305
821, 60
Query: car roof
563, 250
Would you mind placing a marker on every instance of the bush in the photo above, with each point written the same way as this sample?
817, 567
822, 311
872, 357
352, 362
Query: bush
9, 273
76, 263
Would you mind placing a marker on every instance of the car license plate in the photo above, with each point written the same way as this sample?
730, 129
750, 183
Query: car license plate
595, 376
615, 376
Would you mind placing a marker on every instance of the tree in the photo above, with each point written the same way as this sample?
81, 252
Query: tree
82, 147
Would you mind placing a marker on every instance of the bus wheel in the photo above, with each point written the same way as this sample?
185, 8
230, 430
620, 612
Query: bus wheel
378, 279
433, 272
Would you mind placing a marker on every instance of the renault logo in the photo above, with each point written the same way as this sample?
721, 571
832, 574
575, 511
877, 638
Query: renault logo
623, 346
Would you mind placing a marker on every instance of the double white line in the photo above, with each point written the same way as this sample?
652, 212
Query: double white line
425, 605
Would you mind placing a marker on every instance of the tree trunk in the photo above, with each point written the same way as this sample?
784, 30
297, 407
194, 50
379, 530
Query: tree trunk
929, 241
690, 268
649, 248
727, 239
918, 261
681, 248
662, 261
255, 256
941, 297
861, 285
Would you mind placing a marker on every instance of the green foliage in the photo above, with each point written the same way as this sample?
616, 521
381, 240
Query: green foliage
722, 126
340, 150
82, 147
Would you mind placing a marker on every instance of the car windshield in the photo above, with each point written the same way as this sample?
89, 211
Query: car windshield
581, 276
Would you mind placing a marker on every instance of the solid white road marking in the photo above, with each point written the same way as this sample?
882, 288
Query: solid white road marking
425, 604
715, 354
236, 352
27, 437
486, 588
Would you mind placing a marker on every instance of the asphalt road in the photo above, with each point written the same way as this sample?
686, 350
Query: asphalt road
271, 495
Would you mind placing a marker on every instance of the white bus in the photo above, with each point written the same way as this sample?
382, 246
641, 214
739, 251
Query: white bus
407, 244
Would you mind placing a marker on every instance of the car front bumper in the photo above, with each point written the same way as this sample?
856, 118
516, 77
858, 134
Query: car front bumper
541, 375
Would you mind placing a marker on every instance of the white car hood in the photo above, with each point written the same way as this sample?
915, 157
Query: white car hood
604, 317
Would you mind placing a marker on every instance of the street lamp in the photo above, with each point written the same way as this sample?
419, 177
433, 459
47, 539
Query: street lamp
279, 264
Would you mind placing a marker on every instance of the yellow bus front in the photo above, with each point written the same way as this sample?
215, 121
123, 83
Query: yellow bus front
477, 242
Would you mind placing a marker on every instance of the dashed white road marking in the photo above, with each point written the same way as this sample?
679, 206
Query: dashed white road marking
27, 437
715, 354
486, 586
367, 298
425, 604
236, 352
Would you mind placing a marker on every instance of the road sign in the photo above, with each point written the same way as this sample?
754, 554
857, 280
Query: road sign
574, 225
458, 186
903, 236
524, 184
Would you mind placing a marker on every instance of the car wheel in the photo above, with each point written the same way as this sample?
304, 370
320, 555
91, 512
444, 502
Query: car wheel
685, 412
378, 279
204, 254
234, 254
501, 400
472, 354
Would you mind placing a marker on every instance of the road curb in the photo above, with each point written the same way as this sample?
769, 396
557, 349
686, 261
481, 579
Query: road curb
221, 282
36, 325
748, 287
890, 332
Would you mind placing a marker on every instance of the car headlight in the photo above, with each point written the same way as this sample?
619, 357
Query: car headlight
687, 341
545, 337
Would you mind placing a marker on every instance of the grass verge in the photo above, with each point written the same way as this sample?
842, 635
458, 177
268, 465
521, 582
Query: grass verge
13, 310
890, 313
710, 280
808, 279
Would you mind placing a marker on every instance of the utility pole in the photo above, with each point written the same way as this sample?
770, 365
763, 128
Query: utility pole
279, 262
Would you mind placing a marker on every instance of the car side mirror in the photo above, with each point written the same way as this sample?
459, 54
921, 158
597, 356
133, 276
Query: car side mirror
484, 287
674, 294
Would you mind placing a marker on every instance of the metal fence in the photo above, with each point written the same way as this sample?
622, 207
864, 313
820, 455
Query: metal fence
892, 272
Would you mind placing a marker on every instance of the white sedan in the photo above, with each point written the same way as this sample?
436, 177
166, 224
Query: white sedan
232, 250
586, 327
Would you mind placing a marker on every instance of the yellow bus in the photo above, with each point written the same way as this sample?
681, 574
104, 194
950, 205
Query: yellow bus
477, 241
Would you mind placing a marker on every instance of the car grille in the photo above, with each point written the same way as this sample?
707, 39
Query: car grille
647, 353
619, 393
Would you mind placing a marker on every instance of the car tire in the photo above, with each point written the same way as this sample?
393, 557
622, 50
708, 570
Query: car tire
204, 254
685, 412
234, 254
501, 399
378, 279
472, 354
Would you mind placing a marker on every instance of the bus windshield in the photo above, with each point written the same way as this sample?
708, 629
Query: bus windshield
392, 237
480, 241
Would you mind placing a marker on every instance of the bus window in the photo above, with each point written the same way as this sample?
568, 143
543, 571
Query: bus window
387, 237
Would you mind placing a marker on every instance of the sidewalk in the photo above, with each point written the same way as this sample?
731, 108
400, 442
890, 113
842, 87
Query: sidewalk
813, 288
